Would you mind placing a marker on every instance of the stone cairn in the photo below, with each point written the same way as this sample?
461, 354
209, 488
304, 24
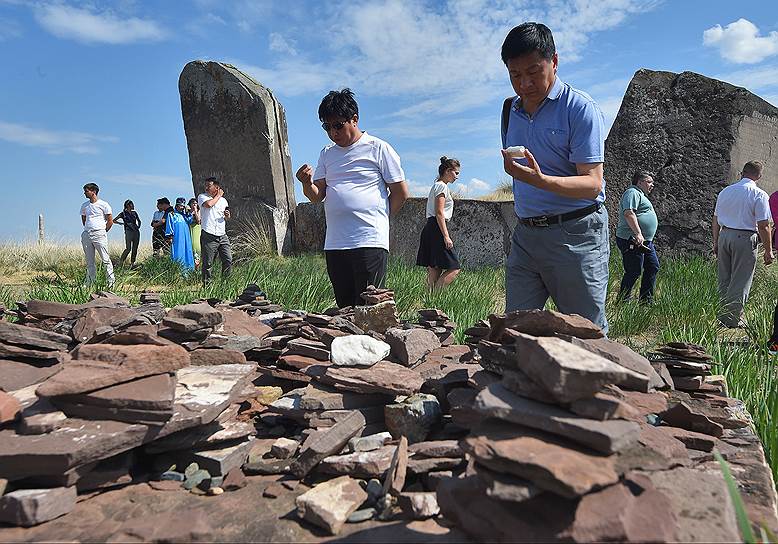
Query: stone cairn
539, 428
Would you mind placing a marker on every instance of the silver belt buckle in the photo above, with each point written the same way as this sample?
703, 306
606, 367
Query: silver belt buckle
541, 221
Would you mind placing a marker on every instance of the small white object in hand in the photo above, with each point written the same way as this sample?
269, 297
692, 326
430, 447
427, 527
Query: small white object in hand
516, 151
357, 350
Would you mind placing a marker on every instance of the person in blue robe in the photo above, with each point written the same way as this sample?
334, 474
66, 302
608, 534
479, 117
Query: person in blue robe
177, 225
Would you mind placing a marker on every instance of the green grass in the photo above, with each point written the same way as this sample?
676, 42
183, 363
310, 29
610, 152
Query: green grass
684, 308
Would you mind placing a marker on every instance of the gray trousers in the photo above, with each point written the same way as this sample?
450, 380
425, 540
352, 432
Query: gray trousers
210, 245
567, 261
96, 241
736, 263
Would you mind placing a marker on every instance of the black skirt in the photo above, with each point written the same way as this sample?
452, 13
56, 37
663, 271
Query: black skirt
432, 250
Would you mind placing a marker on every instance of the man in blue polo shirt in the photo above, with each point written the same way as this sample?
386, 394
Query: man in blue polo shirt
560, 244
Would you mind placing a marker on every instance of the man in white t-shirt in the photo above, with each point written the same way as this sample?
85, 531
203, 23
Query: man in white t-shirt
97, 218
361, 181
214, 212
741, 219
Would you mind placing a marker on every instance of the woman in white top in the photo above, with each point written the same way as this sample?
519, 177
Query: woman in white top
436, 250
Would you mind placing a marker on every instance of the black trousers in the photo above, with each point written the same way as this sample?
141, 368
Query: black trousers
352, 270
131, 242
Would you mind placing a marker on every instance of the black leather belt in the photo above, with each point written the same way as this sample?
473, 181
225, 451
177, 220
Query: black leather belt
740, 230
548, 220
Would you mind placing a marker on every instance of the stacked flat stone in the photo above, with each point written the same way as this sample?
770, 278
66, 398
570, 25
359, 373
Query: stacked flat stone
254, 300
88, 410
439, 323
149, 297
378, 418
562, 445
688, 365
477, 332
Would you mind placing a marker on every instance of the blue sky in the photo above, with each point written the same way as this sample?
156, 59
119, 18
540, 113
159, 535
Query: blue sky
89, 89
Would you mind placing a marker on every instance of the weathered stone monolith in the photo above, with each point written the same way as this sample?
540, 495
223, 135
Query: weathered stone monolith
695, 134
236, 130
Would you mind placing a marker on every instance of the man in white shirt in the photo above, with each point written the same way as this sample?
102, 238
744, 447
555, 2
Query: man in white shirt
361, 181
97, 218
214, 212
742, 211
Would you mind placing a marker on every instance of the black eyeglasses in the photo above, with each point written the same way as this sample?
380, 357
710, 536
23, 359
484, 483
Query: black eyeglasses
333, 126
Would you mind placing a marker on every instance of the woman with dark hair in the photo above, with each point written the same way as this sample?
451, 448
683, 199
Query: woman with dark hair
129, 218
436, 250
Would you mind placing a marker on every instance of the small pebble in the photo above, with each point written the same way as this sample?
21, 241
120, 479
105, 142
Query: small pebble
361, 515
215, 491
172, 475
191, 469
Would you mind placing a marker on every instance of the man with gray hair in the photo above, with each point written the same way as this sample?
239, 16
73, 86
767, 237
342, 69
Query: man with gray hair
741, 219
635, 238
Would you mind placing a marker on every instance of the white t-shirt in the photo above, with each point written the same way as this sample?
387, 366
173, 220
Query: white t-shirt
356, 204
212, 219
440, 188
741, 205
95, 214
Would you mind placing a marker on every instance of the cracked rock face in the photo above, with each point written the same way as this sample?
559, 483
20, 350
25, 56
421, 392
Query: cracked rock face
236, 130
695, 134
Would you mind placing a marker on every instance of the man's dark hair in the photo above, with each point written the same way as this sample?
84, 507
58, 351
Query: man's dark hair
526, 38
640, 175
753, 169
163, 200
338, 104
92, 187
213, 180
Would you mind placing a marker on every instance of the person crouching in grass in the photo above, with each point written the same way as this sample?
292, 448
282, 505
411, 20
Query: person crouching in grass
436, 249
361, 182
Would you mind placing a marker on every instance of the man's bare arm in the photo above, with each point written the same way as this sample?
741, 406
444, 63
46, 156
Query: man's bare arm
587, 184
632, 220
315, 191
764, 234
398, 195
212, 202
108, 222
715, 229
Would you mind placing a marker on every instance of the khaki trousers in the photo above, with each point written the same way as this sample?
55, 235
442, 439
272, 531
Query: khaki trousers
736, 264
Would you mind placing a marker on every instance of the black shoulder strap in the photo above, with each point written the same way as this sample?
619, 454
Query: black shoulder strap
506, 113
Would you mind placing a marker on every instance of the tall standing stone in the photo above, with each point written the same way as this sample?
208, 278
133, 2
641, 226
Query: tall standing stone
236, 130
695, 134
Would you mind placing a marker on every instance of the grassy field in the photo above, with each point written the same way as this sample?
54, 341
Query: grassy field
684, 309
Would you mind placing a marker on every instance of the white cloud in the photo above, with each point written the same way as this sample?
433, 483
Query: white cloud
441, 130
444, 58
753, 78
152, 180
280, 44
418, 189
53, 141
475, 187
205, 24
300, 77
740, 42
9, 29
85, 26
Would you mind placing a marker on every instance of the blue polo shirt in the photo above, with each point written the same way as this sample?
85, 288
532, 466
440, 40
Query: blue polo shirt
566, 129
